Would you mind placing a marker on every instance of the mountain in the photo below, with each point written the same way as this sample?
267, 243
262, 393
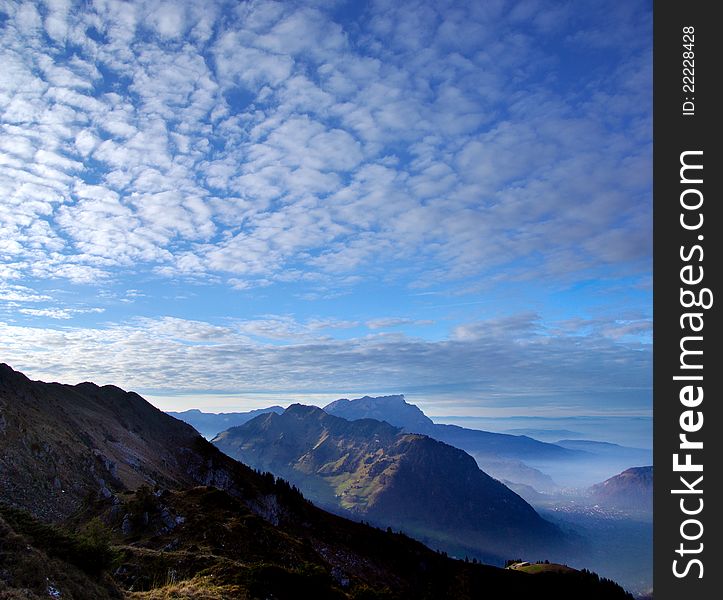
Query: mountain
630, 490
395, 410
104, 496
372, 470
503, 456
211, 424
62, 445
609, 451
544, 434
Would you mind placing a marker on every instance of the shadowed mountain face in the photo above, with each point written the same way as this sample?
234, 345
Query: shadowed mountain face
211, 424
116, 482
375, 471
630, 490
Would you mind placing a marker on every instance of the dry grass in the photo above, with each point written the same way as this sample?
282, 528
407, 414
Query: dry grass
198, 588
17, 594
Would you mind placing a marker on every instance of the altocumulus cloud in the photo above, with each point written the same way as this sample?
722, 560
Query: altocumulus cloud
317, 147
237, 139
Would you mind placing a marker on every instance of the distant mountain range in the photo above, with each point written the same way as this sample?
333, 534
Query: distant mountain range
503, 456
101, 493
373, 470
608, 450
523, 460
395, 410
518, 459
210, 425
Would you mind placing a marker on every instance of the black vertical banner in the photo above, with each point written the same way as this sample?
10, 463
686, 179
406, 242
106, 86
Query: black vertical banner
688, 296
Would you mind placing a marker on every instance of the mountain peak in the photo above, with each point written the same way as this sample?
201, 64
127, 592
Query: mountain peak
393, 409
631, 489
8, 373
303, 409
369, 468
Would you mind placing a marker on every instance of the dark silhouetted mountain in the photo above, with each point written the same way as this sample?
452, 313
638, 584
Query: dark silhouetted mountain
62, 445
211, 424
375, 471
630, 490
94, 481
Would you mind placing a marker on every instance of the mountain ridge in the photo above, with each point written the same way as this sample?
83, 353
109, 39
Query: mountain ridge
211, 424
374, 470
173, 513
398, 412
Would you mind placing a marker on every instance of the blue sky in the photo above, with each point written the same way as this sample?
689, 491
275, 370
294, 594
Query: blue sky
229, 204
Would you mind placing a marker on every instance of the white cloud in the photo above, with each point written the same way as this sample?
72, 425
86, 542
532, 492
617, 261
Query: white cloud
20, 293
389, 322
238, 145
85, 142
498, 361
27, 17
58, 313
56, 24
168, 18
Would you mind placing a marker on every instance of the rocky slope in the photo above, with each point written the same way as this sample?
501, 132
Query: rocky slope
62, 446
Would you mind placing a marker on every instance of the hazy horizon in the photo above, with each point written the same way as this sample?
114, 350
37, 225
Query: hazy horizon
632, 430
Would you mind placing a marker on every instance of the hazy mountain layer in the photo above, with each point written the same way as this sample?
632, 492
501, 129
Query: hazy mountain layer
211, 424
396, 411
520, 459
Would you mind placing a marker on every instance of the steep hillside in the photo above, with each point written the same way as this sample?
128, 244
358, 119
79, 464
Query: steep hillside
374, 471
102, 496
62, 446
39, 561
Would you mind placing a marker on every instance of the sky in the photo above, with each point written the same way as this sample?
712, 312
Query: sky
226, 205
